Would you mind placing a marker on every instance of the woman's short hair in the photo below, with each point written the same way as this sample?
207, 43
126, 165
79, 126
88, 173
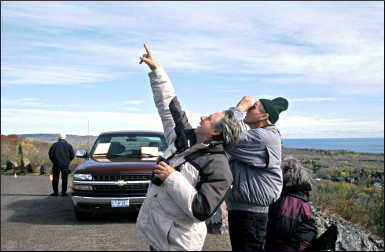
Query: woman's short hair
293, 173
230, 127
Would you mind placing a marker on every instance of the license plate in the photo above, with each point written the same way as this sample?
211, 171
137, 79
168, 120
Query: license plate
120, 203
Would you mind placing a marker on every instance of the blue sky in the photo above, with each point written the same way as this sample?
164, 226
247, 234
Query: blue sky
73, 67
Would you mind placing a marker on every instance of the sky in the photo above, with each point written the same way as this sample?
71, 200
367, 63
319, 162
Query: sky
72, 67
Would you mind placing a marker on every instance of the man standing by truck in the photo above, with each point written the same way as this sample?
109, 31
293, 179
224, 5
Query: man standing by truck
61, 153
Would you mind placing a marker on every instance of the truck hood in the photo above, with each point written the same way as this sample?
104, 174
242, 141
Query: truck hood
118, 165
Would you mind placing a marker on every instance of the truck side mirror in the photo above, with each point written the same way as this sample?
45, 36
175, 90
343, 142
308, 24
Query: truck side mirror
81, 153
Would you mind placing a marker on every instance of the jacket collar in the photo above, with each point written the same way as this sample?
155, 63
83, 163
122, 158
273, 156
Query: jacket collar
298, 191
214, 146
300, 195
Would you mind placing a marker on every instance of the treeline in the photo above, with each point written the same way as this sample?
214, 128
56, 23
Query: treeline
20, 151
358, 204
340, 165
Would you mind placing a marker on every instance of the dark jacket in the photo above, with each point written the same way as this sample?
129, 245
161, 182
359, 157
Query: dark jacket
291, 225
214, 180
215, 177
61, 153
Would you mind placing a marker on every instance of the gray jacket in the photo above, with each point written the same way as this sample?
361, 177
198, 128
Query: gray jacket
172, 215
255, 165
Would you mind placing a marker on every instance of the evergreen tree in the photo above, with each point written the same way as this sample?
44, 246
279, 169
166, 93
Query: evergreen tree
21, 156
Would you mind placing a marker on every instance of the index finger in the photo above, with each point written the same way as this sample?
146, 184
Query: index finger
147, 49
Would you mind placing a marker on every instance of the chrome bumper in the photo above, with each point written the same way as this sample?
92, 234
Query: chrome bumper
104, 200
115, 183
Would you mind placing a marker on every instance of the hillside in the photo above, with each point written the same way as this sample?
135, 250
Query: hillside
51, 138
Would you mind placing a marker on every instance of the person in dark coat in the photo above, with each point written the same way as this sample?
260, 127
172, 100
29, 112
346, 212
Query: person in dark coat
291, 225
61, 153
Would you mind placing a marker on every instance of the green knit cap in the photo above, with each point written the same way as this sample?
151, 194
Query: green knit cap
274, 107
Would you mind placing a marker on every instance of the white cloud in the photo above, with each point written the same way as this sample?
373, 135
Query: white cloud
132, 102
312, 99
34, 102
76, 122
316, 43
317, 126
57, 14
52, 75
29, 121
340, 45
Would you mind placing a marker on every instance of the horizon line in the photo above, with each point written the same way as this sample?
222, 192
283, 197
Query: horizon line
281, 137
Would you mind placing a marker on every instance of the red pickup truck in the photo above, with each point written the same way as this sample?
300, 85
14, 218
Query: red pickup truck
116, 172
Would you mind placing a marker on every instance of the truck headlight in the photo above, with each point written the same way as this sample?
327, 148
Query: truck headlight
82, 177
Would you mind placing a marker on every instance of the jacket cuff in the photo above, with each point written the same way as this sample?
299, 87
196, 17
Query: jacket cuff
170, 180
156, 73
238, 113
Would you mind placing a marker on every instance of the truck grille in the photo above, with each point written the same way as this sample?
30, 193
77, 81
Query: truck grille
125, 177
136, 188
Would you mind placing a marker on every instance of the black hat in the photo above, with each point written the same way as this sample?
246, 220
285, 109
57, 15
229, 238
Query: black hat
274, 107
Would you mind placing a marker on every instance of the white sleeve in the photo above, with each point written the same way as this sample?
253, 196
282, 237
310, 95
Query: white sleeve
163, 93
181, 191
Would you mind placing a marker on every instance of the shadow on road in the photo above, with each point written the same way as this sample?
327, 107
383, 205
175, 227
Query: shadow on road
21, 194
59, 211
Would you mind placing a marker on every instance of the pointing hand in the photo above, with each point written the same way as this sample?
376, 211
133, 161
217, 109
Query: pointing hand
148, 59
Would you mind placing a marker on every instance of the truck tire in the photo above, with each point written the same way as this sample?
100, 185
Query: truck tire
81, 215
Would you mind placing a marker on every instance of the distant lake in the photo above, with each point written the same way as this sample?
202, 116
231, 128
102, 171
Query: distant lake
371, 145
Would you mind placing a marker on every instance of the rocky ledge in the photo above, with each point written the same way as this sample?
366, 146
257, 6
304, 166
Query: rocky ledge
347, 237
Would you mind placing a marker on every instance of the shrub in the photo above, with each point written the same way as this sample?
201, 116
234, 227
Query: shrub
358, 204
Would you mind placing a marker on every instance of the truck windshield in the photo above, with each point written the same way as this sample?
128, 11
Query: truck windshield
128, 146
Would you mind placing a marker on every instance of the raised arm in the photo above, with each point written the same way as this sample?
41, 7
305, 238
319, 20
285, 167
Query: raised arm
250, 144
245, 103
163, 92
240, 110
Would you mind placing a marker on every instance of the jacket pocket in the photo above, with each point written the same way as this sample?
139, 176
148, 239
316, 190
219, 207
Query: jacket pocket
160, 229
168, 206
186, 235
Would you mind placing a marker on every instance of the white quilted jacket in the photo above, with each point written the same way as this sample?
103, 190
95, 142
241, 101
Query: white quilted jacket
165, 220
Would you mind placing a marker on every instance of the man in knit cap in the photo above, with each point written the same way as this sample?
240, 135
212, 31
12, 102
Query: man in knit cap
255, 165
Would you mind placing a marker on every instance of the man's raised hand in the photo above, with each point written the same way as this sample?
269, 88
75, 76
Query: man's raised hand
245, 103
148, 59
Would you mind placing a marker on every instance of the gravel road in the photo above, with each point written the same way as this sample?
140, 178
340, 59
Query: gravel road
31, 220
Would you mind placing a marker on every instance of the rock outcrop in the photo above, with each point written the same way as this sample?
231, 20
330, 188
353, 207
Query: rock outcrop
10, 164
347, 237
